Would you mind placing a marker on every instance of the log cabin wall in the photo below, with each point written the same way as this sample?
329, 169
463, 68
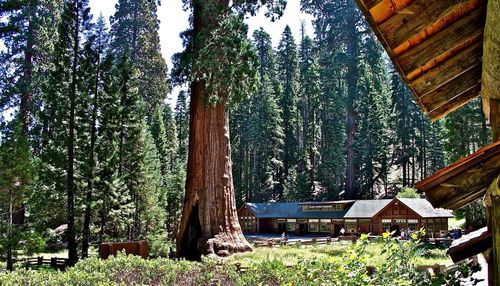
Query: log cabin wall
248, 220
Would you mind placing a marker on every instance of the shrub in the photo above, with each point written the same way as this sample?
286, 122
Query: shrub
398, 268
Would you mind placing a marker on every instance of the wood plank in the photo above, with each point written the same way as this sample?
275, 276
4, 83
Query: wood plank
471, 244
415, 18
493, 220
371, 3
470, 26
455, 103
448, 70
462, 165
452, 88
471, 185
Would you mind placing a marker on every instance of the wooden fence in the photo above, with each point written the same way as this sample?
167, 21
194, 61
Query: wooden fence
276, 242
53, 262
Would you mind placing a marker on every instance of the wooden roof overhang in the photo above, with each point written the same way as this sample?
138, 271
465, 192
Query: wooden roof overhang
464, 181
435, 45
471, 244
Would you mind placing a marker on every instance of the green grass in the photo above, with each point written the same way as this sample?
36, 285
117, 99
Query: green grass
291, 255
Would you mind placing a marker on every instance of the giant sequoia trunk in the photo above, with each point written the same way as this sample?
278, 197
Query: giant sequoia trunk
209, 222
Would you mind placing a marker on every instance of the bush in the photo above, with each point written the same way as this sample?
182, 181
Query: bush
398, 268
33, 243
160, 245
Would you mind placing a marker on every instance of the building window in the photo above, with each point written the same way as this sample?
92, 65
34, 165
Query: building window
313, 225
290, 225
351, 225
437, 225
323, 208
400, 221
412, 224
444, 223
386, 224
324, 225
430, 226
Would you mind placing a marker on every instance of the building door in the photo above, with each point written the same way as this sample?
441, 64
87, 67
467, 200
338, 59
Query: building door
336, 230
302, 228
395, 228
281, 227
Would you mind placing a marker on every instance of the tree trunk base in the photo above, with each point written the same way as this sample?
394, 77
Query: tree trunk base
224, 245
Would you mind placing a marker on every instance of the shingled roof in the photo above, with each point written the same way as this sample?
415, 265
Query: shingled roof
366, 208
289, 210
424, 208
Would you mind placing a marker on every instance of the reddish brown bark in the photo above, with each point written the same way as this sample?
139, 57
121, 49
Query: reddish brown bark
209, 222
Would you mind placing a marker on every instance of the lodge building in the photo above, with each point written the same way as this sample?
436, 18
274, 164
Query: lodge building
355, 216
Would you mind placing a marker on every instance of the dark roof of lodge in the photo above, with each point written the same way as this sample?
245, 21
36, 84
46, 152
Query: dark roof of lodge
360, 209
289, 210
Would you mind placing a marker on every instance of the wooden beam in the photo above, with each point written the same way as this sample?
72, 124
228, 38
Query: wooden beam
452, 89
486, 165
491, 67
455, 103
468, 27
471, 244
449, 69
371, 3
494, 190
415, 18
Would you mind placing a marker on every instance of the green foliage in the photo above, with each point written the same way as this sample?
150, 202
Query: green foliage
408, 193
226, 62
160, 245
33, 243
348, 268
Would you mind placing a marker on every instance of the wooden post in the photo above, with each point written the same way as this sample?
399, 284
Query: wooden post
490, 82
493, 215
53, 262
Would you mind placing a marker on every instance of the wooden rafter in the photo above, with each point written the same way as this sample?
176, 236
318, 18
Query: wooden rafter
464, 181
436, 46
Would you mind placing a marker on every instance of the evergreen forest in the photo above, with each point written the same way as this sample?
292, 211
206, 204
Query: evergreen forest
89, 140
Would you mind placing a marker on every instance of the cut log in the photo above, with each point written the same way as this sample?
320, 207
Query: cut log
492, 203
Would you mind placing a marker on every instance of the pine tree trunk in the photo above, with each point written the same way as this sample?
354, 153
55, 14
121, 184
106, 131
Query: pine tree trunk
90, 183
10, 262
26, 98
352, 78
72, 251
